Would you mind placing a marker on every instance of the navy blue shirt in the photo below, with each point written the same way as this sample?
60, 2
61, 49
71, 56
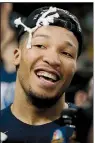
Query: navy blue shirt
19, 132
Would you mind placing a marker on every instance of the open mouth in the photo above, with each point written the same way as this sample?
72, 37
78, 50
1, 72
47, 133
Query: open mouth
47, 76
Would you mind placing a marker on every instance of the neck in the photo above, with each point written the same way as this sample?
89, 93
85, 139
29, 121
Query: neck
30, 114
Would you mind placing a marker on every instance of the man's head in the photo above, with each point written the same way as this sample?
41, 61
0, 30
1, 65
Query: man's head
47, 67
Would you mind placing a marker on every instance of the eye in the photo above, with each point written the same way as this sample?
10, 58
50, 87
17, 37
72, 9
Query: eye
40, 46
67, 54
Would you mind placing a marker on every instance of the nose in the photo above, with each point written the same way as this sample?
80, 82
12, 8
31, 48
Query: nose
52, 58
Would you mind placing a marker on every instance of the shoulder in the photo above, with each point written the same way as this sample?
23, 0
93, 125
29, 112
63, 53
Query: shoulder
2, 112
6, 119
5, 111
4, 115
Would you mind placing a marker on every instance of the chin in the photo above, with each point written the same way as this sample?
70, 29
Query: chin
43, 100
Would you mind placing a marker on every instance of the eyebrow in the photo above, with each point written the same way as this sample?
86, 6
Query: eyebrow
70, 44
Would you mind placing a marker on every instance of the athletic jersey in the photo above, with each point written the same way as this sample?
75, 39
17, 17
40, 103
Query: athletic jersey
19, 132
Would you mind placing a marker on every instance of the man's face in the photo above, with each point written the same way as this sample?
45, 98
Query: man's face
49, 65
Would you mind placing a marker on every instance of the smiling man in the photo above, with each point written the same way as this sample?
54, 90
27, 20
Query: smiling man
49, 43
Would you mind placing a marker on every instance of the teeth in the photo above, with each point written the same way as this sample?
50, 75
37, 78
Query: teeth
46, 74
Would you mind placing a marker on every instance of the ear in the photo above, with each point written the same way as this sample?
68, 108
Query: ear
17, 56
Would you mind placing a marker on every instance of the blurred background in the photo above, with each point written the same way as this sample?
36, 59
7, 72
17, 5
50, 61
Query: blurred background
81, 88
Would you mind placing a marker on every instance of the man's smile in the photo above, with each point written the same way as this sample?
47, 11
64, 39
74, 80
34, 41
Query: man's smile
47, 77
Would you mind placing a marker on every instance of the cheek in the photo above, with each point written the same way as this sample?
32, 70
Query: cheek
24, 65
28, 60
70, 68
32, 55
73, 68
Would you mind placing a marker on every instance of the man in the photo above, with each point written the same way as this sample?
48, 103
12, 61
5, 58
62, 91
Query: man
50, 42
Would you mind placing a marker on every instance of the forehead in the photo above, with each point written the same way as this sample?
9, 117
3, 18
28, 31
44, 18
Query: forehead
55, 32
